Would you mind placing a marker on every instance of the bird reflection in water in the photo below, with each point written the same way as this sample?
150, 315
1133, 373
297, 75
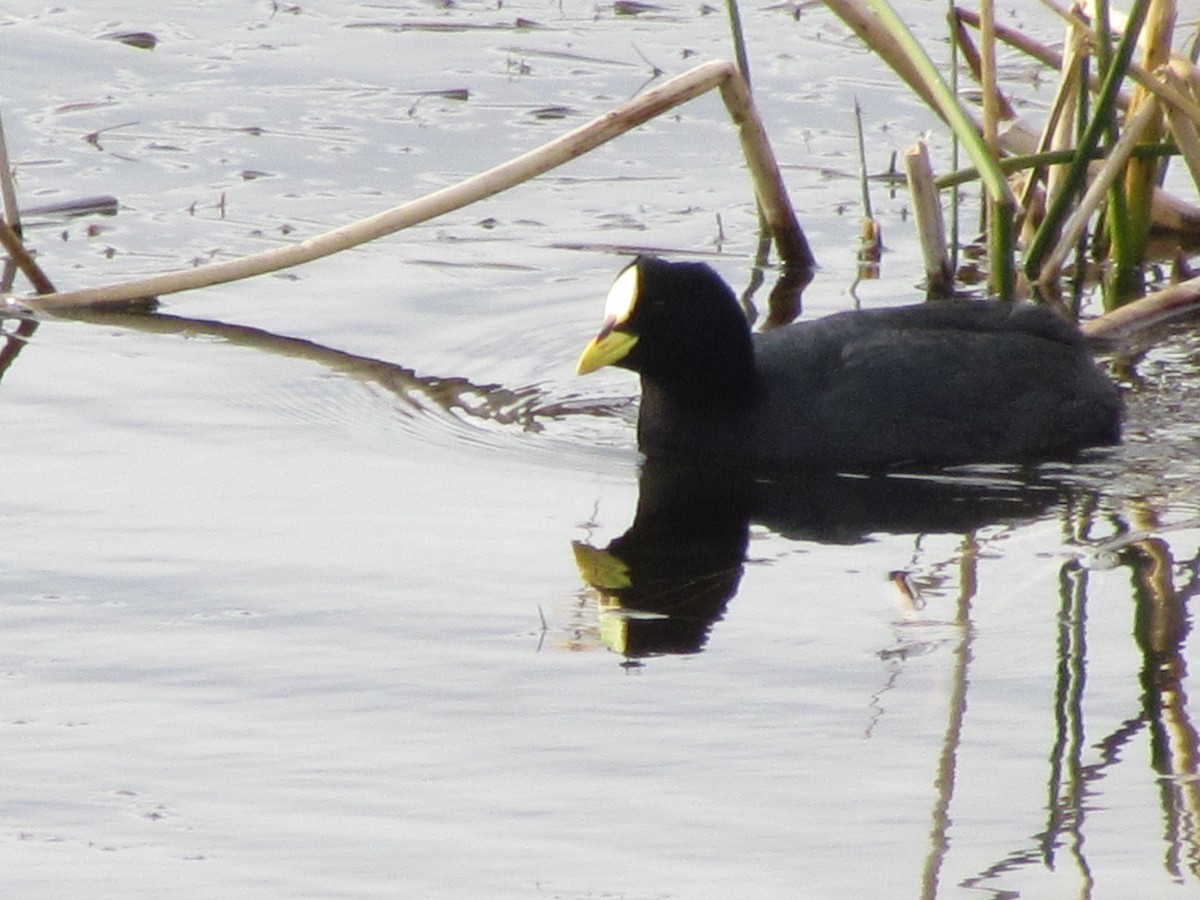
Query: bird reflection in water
665, 581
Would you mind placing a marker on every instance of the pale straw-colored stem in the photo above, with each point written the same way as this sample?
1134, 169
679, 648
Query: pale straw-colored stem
1113, 168
10, 241
1184, 130
987, 75
672, 93
1174, 93
768, 181
8, 194
931, 224
1176, 300
1062, 133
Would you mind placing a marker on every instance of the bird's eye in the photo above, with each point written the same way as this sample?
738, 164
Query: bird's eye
622, 296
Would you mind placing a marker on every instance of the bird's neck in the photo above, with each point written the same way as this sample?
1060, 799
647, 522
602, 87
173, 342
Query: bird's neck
716, 388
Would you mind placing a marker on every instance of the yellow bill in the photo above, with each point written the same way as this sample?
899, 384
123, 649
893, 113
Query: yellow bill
605, 349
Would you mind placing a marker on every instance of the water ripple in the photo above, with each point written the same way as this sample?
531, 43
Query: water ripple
535, 421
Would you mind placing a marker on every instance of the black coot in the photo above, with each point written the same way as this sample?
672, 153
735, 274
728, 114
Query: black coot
936, 383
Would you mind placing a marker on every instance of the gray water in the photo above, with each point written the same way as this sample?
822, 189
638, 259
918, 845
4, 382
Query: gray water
291, 601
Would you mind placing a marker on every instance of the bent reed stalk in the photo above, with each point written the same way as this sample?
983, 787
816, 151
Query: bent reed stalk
768, 184
10, 242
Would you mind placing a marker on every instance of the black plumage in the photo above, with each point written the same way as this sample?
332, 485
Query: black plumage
935, 383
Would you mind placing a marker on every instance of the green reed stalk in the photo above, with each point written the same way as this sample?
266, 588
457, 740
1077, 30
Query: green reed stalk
739, 40
1141, 176
1115, 226
1012, 164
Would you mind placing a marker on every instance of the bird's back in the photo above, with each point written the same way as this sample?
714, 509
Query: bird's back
942, 382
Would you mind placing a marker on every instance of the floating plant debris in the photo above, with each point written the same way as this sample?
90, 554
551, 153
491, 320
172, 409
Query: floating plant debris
552, 112
142, 40
633, 8
85, 206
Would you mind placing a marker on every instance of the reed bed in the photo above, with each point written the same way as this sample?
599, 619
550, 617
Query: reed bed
1082, 188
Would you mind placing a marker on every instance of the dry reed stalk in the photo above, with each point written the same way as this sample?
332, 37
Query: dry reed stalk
987, 75
1176, 300
1062, 136
1183, 128
1059, 131
1038, 51
930, 223
8, 193
1169, 92
975, 62
11, 242
768, 183
1113, 168
764, 170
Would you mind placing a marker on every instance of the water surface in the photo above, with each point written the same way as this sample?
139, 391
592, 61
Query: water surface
293, 603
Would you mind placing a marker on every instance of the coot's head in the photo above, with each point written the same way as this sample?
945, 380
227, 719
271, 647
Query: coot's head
676, 324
